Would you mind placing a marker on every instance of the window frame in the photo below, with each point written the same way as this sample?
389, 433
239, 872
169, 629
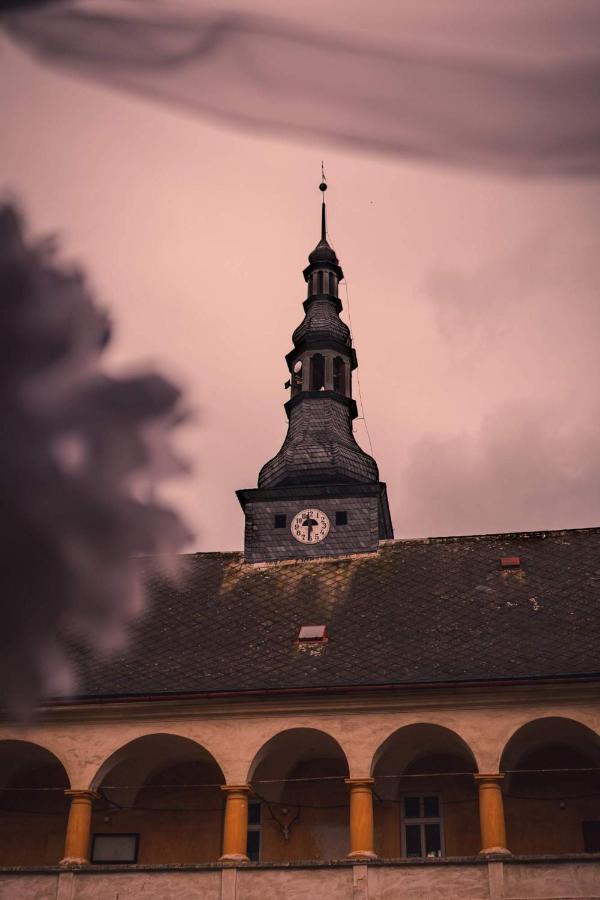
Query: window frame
115, 834
422, 821
255, 828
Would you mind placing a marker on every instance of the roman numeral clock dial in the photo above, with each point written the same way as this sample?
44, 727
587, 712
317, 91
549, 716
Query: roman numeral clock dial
310, 526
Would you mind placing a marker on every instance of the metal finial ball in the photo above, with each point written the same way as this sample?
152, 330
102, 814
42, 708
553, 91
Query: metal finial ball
322, 186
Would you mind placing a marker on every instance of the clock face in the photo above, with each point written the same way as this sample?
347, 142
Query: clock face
310, 526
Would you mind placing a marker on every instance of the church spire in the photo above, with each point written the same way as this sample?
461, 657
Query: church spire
320, 476
320, 446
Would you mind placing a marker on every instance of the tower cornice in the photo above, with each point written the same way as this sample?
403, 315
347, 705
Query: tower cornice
322, 395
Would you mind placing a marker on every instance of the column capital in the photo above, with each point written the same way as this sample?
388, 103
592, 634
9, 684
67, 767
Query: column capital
359, 782
236, 788
495, 778
82, 794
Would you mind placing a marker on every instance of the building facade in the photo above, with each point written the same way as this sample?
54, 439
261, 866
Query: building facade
333, 712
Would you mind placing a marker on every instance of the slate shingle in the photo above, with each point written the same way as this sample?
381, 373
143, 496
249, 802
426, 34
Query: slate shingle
418, 611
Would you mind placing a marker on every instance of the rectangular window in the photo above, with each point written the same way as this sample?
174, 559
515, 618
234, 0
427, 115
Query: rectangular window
591, 837
341, 517
115, 848
280, 520
254, 816
422, 826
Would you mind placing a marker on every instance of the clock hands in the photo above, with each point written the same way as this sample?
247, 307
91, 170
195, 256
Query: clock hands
309, 524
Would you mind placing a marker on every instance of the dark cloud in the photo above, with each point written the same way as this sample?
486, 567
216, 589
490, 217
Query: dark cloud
80, 455
509, 87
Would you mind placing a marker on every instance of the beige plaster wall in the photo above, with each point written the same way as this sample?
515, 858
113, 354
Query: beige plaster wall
294, 884
551, 880
433, 880
457, 882
28, 887
234, 734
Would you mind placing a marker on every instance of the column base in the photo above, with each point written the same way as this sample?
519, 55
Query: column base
495, 851
73, 861
234, 858
361, 854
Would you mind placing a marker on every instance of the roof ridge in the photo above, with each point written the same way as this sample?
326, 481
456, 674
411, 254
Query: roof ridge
508, 535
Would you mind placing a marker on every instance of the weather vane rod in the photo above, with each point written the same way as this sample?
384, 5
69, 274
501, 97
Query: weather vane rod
323, 188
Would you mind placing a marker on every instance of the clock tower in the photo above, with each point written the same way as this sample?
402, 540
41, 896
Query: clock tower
320, 495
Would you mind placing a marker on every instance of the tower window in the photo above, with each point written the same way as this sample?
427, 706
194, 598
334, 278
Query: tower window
341, 517
317, 372
320, 288
339, 375
280, 520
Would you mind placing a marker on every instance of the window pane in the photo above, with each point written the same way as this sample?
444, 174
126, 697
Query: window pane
254, 846
433, 840
114, 848
413, 840
412, 807
591, 837
254, 814
431, 808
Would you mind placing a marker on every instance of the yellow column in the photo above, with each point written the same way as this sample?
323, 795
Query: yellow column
491, 814
77, 841
235, 828
361, 818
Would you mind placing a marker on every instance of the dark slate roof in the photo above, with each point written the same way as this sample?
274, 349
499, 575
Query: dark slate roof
419, 611
320, 447
322, 320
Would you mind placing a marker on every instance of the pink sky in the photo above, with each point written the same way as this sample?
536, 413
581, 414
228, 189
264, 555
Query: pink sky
474, 300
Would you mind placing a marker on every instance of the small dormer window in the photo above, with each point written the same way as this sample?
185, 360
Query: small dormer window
312, 633
280, 520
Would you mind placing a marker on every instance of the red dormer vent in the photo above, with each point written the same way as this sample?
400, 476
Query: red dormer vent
510, 562
313, 633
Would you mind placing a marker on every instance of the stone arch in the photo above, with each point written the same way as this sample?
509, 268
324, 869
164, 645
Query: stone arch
33, 805
549, 729
298, 782
426, 797
167, 789
288, 736
551, 785
424, 737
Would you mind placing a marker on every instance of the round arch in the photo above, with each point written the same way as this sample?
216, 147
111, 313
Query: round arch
33, 805
300, 808
166, 789
421, 739
549, 730
153, 749
551, 785
295, 743
427, 802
